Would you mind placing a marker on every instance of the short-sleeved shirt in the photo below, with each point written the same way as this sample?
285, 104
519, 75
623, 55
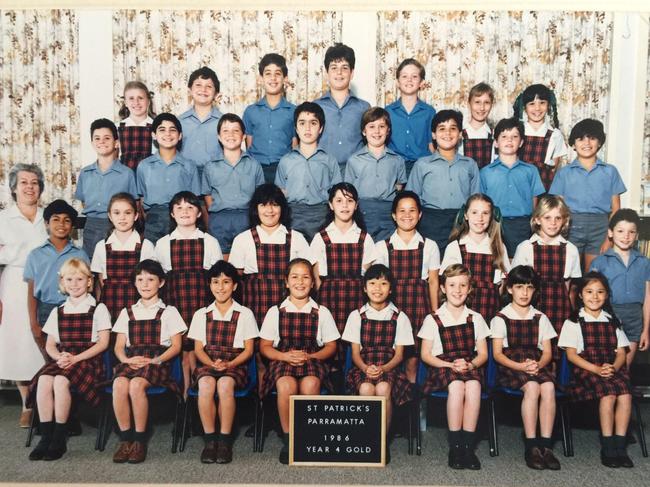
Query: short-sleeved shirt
545, 330
441, 184
342, 133
272, 129
96, 188
588, 191
42, 267
556, 146
231, 186
211, 249
319, 250
158, 181
375, 178
410, 133
627, 283
403, 332
429, 330
571, 334
101, 317
525, 254
243, 254
98, 263
483, 132
200, 141
454, 256
307, 180
430, 260
246, 324
171, 322
512, 188
327, 331
19, 235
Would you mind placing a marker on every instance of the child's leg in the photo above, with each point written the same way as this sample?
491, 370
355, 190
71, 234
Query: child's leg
138, 394
530, 408
622, 413
606, 415
367, 389
227, 405
383, 389
45, 398
207, 408
634, 346
547, 409
23, 389
309, 386
411, 369
285, 386
472, 405
189, 364
121, 403
455, 402
62, 399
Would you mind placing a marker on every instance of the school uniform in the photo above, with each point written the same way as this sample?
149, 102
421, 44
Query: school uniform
512, 189
378, 332
264, 258
541, 146
200, 141
306, 182
157, 183
478, 144
486, 277
289, 328
231, 187
627, 284
75, 328
596, 340
148, 331
115, 261
375, 180
588, 194
410, 133
443, 188
452, 339
223, 336
136, 142
523, 338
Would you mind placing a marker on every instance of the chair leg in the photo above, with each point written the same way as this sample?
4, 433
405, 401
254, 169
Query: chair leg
260, 439
184, 428
640, 428
418, 427
32, 425
566, 442
256, 417
492, 427
100, 419
176, 433
107, 425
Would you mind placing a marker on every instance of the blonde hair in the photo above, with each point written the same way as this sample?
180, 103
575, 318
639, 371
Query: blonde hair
136, 85
72, 266
453, 270
547, 203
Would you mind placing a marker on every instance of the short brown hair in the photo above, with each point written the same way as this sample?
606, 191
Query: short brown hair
481, 89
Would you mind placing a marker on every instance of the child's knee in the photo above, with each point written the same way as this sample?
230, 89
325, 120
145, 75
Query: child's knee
383, 389
207, 386
366, 389
226, 387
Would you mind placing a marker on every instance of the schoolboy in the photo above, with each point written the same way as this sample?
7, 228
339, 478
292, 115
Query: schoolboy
99, 181
229, 183
512, 184
343, 110
200, 121
410, 117
306, 173
628, 274
443, 180
269, 122
477, 136
160, 176
43, 264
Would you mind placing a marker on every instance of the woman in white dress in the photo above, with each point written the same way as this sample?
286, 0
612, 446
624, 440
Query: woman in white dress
21, 229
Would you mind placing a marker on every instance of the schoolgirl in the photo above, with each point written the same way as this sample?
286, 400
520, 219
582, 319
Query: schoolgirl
134, 128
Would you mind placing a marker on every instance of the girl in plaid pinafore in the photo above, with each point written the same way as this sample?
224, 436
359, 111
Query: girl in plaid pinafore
298, 336
479, 102
595, 345
135, 126
77, 333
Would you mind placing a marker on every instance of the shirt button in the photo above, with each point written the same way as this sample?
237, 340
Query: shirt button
408, 131
340, 142
270, 126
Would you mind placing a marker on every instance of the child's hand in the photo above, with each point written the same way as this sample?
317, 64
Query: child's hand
643, 340
295, 357
531, 367
606, 371
374, 371
460, 365
220, 365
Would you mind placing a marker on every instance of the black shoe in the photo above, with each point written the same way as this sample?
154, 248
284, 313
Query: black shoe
534, 459
209, 453
625, 461
54, 452
609, 461
551, 462
470, 460
38, 453
284, 455
456, 458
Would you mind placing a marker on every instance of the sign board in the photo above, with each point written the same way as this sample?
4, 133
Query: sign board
337, 430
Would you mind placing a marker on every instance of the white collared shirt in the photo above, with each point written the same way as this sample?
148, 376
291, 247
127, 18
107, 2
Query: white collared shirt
571, 334
98, 263
211, 248
246, 324
499, 330
430, 260
319, 251
403, 332
524, 255
453, 255
101, 317
556, 145
19, 236
171, 322
483, 132
129, 122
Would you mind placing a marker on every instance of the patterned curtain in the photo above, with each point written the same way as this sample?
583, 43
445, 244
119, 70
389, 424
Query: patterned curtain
38, 88
570, 51
646, 138
162, 47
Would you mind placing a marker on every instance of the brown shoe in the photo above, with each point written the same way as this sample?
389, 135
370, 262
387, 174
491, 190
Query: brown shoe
123, 451
209, 453
551, 462
138, 452
224, 452
25, 420
535, 459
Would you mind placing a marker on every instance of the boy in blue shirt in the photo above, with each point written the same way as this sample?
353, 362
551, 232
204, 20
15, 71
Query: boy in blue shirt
229, 183
443, 180
269, 122
307, 173
160, 176
99, 181
343, 110
628, 274
200, 122
410, 117
512, 184
43, 264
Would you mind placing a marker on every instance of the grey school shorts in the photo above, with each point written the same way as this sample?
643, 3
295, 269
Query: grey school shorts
588, 231
631, 317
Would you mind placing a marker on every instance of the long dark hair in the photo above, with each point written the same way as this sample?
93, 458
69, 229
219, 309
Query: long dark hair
584, 282
191, 199
265, 194
347, 189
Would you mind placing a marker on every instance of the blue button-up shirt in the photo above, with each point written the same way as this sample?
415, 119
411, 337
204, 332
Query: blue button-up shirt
200, 141
410, 133
272, 130
375, 179
588, 191
231, 187
444, 185
627, 283
42, 267
95, 188
342, 134
158, 181
512, 188
307, 180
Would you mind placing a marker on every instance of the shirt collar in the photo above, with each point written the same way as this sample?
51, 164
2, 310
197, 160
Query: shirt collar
634, 254
280, 229
133, 239
465, 239
512, 314
289, 306
557, 240
328, 96
235, 306
576, 164
332, 228
366, 150
176, 234
498, 161
262, 102
395, 238
14, 212
88, 300
539, 132
115, 166
191, 112
603, 316
157, 304
445, 314
67, 247
391, 307
129, 122
297, 150
437, 156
